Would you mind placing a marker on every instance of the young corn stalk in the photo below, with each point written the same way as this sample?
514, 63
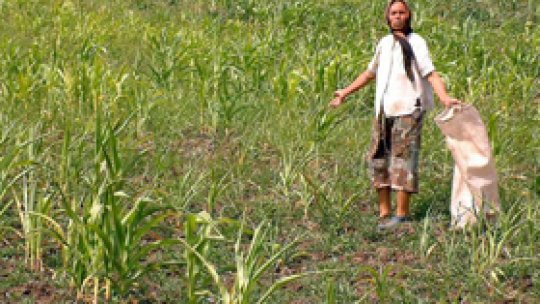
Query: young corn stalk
380, 279
217, 187
425, 243
322, 125
292, 163
330, 204
200, 229
187, 188
103, 244
490, 243
331, 292
250, 267
9, 175
29, 200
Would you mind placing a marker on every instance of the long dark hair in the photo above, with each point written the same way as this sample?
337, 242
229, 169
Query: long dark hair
408, 54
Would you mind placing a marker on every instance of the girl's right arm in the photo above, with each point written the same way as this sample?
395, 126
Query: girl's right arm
356, 85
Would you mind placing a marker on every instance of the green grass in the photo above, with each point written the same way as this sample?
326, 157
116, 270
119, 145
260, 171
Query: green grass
123, 117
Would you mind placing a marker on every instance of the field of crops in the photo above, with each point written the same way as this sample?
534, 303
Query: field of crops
183, 151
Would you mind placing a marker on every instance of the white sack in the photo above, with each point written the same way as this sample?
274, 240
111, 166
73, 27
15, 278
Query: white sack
474, 185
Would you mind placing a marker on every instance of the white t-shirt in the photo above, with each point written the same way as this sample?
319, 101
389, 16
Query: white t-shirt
394, 89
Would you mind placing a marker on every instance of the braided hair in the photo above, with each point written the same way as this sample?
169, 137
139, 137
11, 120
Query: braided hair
408, 54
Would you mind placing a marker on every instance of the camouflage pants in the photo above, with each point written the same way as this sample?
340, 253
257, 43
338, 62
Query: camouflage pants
393, 154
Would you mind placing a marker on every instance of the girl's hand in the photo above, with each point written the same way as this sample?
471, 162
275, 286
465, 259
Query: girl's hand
450, 101
340, 98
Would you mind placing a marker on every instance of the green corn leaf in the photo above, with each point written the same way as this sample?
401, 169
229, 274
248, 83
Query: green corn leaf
269, 262
211, 269
57, 231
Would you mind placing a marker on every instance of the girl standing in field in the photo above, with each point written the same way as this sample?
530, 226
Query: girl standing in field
405, 77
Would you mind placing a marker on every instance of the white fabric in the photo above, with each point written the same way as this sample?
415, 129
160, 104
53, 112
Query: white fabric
474, 185
393, 85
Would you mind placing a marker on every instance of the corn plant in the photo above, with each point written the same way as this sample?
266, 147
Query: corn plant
488, 244
11, 171
200, 230
381, 283
330, 204
217, 187
292, 163
323, 124
103, 244
228, 94
426, 245
31, 203
188, 189
167, 58
250, 268
31, 199
330, 292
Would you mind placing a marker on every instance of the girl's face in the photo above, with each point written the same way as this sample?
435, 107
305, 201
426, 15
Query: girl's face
398, 16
